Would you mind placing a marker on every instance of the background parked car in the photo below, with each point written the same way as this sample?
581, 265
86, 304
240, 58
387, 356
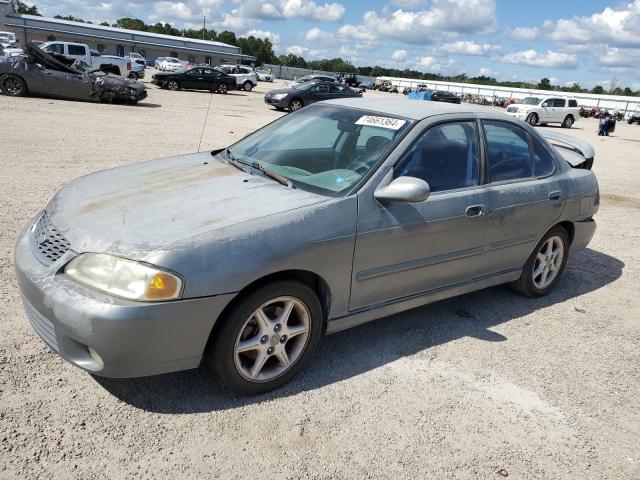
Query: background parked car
264, 76
137, 71
137, 58
81, 51
245, 77
198, 78
157, 62
169, 64
45, 73
307, 93
543, 110
634, 118
443, 96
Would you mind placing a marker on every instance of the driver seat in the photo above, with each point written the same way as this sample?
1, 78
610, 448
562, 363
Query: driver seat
372, 149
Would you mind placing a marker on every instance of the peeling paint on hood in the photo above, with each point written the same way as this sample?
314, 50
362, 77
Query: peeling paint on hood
136, 209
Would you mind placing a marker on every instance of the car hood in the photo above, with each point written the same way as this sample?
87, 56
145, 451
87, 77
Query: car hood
140, 208
111, 80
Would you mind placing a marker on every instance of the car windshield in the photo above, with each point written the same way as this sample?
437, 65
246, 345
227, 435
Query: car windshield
173, 60
304, 86
529, 101
325, 149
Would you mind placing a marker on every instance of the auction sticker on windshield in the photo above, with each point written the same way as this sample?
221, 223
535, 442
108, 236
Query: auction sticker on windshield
384, 122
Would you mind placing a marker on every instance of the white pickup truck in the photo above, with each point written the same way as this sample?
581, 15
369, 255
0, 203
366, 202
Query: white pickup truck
80, 51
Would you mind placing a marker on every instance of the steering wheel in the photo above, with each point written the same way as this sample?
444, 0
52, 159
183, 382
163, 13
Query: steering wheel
357, 166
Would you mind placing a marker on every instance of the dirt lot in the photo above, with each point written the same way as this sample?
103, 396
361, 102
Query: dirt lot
483, 386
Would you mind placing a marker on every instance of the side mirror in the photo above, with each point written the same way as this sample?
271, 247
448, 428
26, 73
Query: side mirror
404, 189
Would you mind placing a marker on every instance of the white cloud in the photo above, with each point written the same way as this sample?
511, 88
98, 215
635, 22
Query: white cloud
547, 59
399, 55
445, 17
469, 48
524, 33
615, 26
309, 10
487, 72
303, 51
408, 3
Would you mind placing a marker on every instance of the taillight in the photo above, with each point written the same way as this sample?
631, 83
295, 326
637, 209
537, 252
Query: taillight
128, 65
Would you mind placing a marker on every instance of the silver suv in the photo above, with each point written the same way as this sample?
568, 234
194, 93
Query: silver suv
542, 110
246, 77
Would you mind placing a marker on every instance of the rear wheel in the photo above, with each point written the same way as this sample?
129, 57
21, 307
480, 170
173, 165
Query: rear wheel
532, 119
267, 338
568, 122
295, 104
545, 265
223, 88
133, 76
13, 86
247, 86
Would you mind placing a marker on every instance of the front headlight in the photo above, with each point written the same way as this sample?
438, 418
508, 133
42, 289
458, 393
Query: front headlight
124, 278
279, 96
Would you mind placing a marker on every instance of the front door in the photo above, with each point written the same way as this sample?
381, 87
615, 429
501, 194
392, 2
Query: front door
525, 194
321, 91
194, 79
405, 249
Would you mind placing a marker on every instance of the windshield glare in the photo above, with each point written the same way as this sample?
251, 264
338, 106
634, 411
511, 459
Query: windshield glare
322, 148
529, 101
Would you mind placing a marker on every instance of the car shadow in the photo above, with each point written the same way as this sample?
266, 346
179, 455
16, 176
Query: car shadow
358, 350
147, 105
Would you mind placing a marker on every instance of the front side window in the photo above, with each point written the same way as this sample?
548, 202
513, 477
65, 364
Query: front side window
56, 48
446, 157
548, 103
316, 148
508, 151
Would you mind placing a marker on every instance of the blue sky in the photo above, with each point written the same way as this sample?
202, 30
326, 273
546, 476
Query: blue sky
588, 41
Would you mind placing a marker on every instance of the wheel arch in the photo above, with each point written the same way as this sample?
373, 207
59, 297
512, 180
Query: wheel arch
312, 280
569, 228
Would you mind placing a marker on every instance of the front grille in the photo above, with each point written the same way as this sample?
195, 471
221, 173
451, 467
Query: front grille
41, 324
512, 109
49, 244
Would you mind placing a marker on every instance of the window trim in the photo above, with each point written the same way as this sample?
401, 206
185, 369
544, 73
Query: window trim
487, 162
480, 178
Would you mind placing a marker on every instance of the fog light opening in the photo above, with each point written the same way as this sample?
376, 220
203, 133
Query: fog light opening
96, 358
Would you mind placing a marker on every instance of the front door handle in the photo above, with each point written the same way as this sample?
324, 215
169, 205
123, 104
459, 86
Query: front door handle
475, 211
555, 196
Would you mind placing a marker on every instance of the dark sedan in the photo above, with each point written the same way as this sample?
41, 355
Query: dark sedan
442, 96
296, 97
198, 78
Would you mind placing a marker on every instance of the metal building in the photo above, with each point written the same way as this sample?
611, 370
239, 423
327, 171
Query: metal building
116, 41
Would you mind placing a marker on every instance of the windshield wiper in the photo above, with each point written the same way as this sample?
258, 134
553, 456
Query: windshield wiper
238, 164
233, 161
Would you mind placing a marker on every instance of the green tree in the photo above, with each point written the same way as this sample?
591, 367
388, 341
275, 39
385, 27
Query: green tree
544, 84
227, 37
131, 24
25, 9
598, 89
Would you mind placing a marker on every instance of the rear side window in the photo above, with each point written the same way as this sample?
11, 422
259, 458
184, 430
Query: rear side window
542, 161
508, 151
573, 103
77, 50
558, 102
446, 157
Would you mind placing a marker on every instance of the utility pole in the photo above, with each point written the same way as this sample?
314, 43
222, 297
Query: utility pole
204, 27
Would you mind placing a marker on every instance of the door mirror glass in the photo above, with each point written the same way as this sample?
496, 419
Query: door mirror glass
404, 189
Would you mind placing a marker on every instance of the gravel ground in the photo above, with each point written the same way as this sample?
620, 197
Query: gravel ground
487, 385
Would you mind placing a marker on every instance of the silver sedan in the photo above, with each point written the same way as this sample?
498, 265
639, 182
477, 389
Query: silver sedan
341, 213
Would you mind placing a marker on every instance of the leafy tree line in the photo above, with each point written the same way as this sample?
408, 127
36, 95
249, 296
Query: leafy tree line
262, 49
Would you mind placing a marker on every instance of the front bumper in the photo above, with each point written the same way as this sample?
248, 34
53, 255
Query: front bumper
133, 339
282, 103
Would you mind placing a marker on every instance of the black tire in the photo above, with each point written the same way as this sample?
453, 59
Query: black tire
568, 121
133, 76
13, 86
525, 284
532, 119
108, 96
173, 85
223, 88
295, 104
221, 350
247, 86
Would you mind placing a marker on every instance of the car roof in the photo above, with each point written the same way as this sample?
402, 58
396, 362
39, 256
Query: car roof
413, 109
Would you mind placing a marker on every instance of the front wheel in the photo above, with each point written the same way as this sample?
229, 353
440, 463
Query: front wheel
295, 104
532, 119
13, 86
545, 265
267, 338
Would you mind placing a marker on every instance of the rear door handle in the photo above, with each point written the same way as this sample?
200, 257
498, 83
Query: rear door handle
555, 196
475, 211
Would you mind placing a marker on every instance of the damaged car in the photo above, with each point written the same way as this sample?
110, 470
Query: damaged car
54, 75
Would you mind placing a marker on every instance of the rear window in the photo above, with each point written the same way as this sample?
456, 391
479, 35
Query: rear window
509, 152
542, 161
77, 50
573, 103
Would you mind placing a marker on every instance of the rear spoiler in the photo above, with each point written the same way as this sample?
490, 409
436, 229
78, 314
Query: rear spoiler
577, 152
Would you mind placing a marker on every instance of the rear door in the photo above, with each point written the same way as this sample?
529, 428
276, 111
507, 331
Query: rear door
560, 109
525, 193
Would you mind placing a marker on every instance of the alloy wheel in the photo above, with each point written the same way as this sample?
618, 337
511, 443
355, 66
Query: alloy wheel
548, 262
272, 339
173, 85
295, 105
11, 86
223, 88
